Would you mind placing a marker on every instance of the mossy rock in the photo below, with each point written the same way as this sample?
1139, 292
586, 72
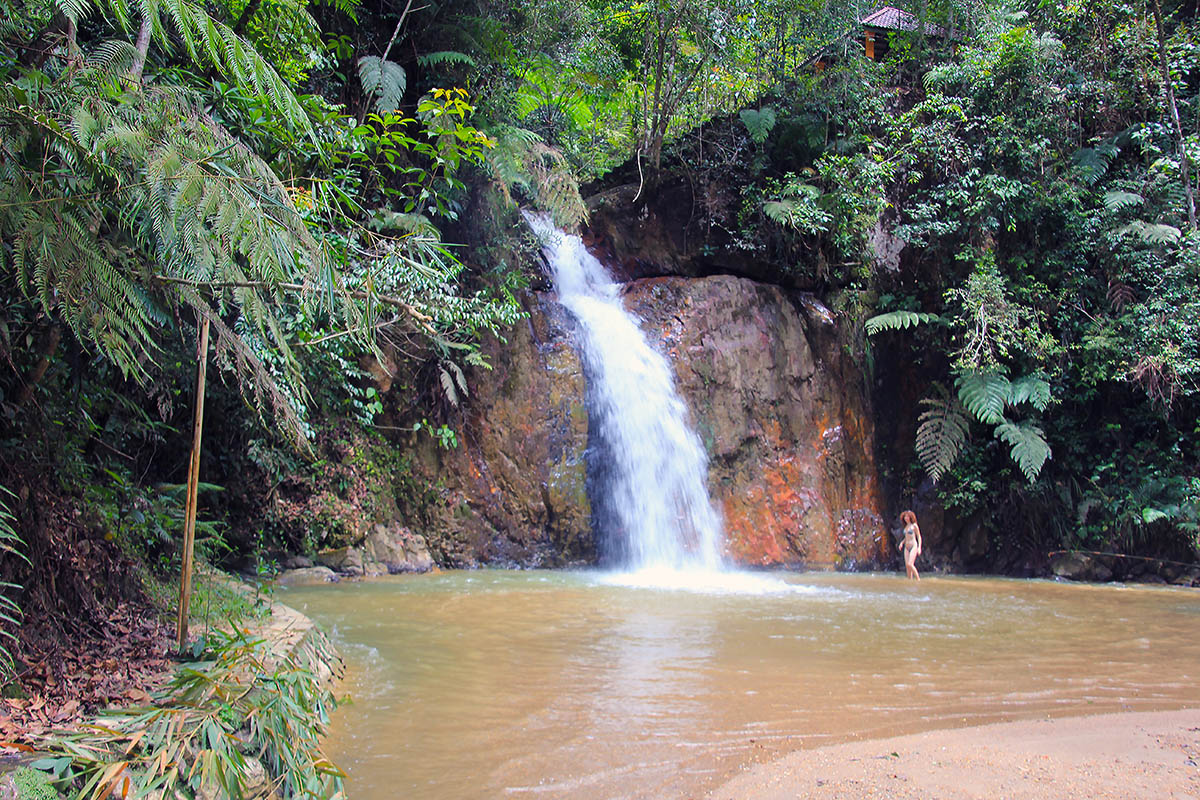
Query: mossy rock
27, 784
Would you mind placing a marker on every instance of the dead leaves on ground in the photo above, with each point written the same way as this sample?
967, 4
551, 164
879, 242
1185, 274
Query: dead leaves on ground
119, 666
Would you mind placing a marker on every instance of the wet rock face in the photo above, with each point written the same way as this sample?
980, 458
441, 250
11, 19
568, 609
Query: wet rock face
782, 412
514, 490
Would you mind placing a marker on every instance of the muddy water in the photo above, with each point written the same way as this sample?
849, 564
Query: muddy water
561, 685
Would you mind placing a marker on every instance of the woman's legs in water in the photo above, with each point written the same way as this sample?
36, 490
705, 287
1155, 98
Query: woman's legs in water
910, 558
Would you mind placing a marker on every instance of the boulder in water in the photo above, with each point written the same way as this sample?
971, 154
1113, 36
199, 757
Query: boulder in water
305, 576
348, 560
1078, 566
397, 549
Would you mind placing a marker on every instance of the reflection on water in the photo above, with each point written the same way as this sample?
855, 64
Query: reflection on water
535, 684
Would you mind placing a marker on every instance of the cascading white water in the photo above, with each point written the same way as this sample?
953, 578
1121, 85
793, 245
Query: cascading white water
655, 466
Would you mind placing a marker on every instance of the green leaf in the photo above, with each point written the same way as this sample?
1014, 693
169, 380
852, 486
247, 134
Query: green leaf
1150, 233
440, 57
1029, 447
1150, 515
55, 765
941, 434
898, 320
984, 395
758, 122
383, 80
1033, 389
1119, 201
1093, 162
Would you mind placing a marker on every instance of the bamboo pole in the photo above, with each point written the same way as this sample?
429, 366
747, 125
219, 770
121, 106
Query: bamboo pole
189, 516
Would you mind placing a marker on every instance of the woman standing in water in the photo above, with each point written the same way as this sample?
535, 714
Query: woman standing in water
912, 544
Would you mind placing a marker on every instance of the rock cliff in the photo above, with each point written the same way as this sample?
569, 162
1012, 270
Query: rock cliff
783, 413
514, 490
781, 408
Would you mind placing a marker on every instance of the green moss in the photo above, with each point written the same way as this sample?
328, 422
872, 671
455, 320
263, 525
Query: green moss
33, 785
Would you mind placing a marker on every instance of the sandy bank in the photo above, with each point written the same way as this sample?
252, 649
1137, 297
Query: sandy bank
1142, 754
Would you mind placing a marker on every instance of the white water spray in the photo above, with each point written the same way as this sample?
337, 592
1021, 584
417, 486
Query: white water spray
655, 466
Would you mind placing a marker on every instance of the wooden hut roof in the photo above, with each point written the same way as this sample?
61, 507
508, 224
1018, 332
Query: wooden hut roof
893, 19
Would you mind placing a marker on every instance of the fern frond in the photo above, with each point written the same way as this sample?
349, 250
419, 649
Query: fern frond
1093, 162
1151, 233
209, 41
1034, 389
522, 162
941, 434
385, 81
759, 122
112, 57
448, 386
1029, 447
1119, 201
898, 320
459, 378
984, 395
74, 10
441, 57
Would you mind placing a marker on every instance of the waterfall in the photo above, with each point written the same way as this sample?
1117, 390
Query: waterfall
647, 468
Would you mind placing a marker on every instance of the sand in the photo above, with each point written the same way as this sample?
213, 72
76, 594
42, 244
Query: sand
1118, 756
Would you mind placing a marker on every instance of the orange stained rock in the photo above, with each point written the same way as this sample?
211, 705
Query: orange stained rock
758, 523
772, 432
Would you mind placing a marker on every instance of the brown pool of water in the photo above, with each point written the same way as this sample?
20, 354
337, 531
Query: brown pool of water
496, 684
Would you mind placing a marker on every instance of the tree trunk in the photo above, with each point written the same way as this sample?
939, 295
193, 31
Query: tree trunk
49, 346
189, 515
142, 46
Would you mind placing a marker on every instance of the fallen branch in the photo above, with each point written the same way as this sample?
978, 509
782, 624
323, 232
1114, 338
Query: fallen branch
1122, 555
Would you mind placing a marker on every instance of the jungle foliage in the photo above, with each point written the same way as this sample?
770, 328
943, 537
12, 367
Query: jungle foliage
1014, 211
1005, 201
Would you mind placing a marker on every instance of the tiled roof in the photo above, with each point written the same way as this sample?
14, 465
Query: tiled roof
896, 20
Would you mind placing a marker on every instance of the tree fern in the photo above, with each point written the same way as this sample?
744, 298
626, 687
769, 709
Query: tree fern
155, 183
210, 42
941, 433
759, 122
984, 395
942, 429
127, 209
547, 95
1029, 447
898, 320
